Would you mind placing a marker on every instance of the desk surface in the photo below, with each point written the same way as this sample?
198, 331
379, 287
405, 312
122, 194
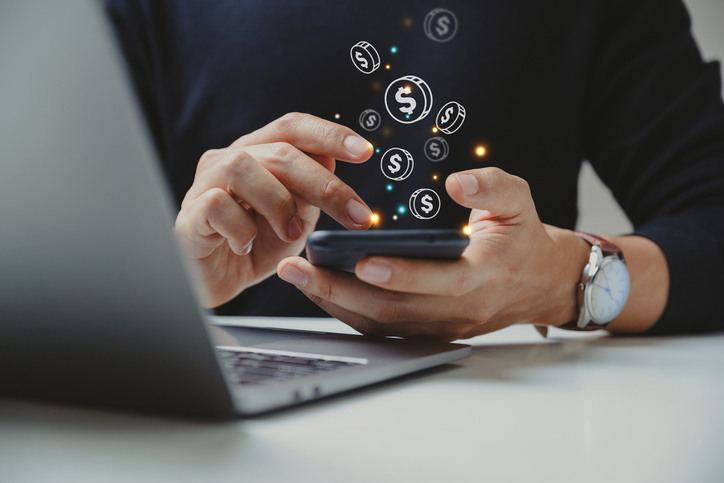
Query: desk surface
575, 407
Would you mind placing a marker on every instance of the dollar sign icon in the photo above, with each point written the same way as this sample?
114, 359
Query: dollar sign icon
395, 161
446, 117
450, 117
436, 149
427, 204
361, 60
424, 204
370, 119
365, 57
408, 99
397, 164
441, 25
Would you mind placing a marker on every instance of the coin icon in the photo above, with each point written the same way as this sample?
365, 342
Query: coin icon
370, 120
397, 164
424, 204
441, 25
450, 117
365, 57
436, 149
408, 99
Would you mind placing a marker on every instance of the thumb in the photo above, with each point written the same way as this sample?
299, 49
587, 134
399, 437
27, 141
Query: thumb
492, 190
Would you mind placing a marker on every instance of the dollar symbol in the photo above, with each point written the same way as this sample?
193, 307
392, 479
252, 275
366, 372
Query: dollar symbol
371, 120
435, 149
442, 25
446, 117
427, 204
395, 161
360, 58
399, 97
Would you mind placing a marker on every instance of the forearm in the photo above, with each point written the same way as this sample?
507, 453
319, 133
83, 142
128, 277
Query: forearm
648, 271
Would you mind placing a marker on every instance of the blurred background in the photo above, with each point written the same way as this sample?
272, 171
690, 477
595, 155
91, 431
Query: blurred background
598, 210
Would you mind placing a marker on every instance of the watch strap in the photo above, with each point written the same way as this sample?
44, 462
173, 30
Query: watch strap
608, 248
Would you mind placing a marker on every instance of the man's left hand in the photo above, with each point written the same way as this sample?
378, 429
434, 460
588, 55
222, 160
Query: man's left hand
515, 270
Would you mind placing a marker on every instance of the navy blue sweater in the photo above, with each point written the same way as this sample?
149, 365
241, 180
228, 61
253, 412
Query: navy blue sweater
546, 84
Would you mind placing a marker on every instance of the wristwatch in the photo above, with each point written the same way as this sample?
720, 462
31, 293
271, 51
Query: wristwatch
604, 285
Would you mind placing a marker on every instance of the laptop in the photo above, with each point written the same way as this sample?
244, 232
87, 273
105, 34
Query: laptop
96, 304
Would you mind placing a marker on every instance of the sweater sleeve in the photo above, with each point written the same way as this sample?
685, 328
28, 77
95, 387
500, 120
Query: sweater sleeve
654, 132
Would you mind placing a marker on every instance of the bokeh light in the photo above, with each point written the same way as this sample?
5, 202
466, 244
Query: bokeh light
336, 116
387, 67
375, 218
434, 129
480, 151
401, 209
389, 187
467, 230
394, 217
393, 49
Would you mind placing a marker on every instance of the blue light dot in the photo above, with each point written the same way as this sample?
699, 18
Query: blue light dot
377, 150
401, 209
407, 116
393, 49
389, 187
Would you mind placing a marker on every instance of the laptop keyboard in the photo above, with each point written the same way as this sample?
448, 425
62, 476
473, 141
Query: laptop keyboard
263, 367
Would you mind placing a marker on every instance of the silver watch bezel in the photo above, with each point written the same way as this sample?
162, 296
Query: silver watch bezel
595, 262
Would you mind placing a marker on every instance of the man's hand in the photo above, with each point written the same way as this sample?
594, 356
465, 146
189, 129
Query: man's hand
515, 270
255, 202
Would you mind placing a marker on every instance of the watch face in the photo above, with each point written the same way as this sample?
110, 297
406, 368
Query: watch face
608, 291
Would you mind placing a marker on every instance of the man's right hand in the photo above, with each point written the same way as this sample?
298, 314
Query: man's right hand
256, 202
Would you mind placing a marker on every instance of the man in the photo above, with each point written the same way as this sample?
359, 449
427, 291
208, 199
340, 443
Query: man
545, 85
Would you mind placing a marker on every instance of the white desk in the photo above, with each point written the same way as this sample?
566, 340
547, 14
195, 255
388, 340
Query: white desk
581, 408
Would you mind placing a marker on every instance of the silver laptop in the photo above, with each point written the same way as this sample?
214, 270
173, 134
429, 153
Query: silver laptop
96, 305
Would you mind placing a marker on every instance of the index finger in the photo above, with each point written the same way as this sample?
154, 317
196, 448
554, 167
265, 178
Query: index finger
311, 134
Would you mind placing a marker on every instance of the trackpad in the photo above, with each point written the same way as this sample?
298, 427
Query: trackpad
249, 337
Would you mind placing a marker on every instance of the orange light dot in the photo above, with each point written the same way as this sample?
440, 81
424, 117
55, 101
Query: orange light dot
434, 129
480, 151
375, 218
387, 67
467, 230
434, 176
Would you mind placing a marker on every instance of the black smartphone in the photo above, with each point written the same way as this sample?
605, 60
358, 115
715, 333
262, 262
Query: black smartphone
343, 249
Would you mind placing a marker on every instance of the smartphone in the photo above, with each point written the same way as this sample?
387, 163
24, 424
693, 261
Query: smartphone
343, 249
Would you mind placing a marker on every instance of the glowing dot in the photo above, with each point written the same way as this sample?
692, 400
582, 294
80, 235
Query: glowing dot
434, 129
394, 217
387, 67
467, 230
377, 150
389, 187
393, 49
407, 22
480, 151
407, 116
434, 176
336, 116
375, 218
401, 209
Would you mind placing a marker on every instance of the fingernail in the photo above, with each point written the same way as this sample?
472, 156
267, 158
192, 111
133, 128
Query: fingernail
375, 271
469, 183
359, 213
356, 145
294, 230
292, 274
247, 248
